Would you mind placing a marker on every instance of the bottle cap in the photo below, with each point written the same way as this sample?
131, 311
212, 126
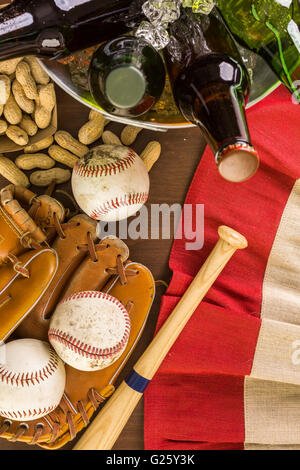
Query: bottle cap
125, 86
237, 162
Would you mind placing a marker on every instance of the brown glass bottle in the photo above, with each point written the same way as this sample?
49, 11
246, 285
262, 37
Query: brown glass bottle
55, 28
211, 86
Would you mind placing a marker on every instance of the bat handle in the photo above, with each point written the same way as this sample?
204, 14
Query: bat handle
233, 238
101, 435
107, 426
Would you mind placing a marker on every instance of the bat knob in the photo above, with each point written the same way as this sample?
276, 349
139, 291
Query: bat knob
232, 237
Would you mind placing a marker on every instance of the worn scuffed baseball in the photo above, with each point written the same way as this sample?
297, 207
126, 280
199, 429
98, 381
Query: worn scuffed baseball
110, 183
89, 330
32, 380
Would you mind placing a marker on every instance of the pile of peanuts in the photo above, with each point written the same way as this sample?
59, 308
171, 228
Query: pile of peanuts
27, 99
67, 150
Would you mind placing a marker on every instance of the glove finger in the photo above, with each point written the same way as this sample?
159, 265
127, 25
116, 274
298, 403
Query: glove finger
69, 258
93, 275
23, 293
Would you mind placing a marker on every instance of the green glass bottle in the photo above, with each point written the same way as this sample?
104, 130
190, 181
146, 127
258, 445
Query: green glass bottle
271, 29
126, 76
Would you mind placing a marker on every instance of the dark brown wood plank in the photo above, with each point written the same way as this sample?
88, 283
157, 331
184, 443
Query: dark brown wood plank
169, 182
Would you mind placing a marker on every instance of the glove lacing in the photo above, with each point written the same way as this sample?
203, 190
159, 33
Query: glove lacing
92, 248
93, 396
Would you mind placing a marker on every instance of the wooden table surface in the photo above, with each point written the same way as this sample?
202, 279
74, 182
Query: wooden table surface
169, 182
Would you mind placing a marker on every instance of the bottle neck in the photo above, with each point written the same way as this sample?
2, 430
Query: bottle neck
237, 162
212, 93
9, 51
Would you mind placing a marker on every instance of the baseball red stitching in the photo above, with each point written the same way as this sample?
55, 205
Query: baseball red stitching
82, 169
84, 349
117, 203
26, 413
32, 378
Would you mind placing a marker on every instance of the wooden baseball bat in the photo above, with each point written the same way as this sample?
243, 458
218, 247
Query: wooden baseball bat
107, 426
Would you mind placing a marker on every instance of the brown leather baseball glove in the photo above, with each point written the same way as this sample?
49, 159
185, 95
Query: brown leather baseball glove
84, 263
27, 263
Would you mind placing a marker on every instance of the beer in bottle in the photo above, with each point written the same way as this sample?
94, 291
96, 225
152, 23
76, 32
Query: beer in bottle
56, 28
271, 29
126, 76
210, 86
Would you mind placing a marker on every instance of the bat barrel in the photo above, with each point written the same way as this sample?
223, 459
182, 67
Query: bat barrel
107, 426
229, 241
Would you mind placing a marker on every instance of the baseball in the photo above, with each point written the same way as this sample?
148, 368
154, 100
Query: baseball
32, 380
110, 183
89, 330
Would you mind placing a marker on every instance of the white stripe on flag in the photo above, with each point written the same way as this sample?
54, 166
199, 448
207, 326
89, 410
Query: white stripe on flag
270, 447
281, 286
271, 393
272, 412
277, 353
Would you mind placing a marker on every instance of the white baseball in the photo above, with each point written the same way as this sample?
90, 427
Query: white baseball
89, 330
110, 183
32, 380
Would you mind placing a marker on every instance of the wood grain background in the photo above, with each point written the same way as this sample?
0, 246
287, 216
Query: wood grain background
169, 182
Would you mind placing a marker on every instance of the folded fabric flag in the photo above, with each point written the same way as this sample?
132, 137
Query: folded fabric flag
232, 380
225, 342
201, 393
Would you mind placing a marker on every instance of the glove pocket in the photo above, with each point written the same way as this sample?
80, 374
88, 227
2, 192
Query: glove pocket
86, 391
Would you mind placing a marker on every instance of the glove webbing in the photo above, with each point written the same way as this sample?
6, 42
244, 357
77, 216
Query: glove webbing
93, 396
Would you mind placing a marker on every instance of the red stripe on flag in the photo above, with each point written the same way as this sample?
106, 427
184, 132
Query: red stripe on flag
185, 406
254, 208
216, 341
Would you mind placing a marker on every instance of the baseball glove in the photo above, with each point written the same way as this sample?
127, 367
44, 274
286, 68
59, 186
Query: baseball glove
84, 263
27, 263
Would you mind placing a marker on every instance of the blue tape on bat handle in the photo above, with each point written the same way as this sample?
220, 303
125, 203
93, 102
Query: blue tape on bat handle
136, 381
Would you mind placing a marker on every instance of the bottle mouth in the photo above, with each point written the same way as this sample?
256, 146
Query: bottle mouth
238, 162
125, 87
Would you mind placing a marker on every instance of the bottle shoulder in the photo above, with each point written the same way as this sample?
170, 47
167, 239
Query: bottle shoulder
259, 22
196, 36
